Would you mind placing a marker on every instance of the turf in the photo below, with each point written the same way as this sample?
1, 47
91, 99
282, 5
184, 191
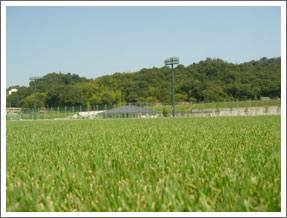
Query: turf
160, 164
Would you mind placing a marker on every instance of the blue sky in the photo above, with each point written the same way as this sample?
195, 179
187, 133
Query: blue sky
96, 41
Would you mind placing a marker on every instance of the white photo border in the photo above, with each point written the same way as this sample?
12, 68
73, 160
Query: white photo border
281, 4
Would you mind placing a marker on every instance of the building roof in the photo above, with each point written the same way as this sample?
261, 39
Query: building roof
129, 109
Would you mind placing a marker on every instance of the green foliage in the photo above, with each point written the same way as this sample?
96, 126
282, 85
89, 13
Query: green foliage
49, 81
40, 101
164, 112
220, 164
208, 80
65, 96
47, 84
16, 99
212, 79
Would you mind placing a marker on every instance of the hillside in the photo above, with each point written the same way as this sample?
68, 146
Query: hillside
208, 80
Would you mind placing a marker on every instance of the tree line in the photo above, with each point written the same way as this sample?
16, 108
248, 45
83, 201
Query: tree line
208, 80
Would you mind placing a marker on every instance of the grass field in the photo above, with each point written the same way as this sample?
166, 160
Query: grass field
165, 164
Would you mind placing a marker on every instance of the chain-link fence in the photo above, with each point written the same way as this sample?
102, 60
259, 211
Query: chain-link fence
143, 110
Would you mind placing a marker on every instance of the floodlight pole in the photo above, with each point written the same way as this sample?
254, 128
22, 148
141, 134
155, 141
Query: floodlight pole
172, 61
172, 78
34, 79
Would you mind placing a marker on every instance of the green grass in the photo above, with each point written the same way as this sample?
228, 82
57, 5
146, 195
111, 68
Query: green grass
180, 164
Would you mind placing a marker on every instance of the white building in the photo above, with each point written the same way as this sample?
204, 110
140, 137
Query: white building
11, 91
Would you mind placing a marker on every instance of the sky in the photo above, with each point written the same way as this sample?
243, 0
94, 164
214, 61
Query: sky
96, 41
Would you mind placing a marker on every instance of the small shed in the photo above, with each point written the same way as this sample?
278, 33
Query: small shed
127, 111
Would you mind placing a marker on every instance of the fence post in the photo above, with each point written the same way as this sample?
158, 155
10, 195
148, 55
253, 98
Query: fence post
88, 111
106, 109
190, 105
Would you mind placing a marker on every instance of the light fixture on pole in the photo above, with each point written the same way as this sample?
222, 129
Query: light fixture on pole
172, 61
34, 79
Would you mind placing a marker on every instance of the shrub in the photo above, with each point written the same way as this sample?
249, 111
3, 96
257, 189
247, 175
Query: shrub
164, 112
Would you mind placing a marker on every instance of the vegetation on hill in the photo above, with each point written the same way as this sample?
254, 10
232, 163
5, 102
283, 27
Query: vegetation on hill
208, 80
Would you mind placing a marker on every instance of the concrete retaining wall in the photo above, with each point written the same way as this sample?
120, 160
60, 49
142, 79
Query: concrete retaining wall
250, 111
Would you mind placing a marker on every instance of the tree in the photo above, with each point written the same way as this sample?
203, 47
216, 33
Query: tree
40, 101
65, 96
16, 99
51, 80
179, 97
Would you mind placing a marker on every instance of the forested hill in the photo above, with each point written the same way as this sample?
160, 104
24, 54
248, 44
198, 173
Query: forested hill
208, 80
